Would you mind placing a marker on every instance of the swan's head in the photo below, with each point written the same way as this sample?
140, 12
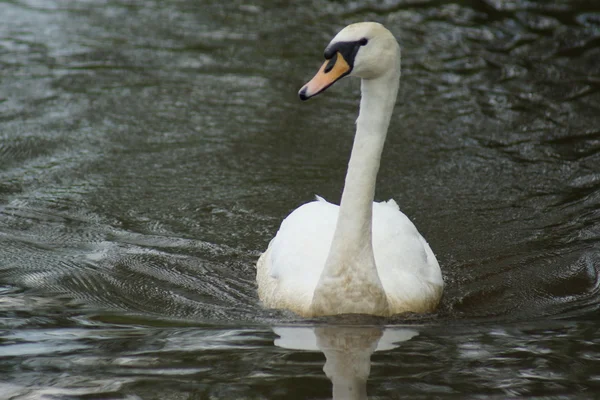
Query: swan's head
365, 49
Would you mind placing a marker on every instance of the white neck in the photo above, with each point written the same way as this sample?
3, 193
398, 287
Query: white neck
348, 354
349, 282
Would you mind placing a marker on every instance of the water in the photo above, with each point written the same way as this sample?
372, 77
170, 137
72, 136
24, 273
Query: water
148, 152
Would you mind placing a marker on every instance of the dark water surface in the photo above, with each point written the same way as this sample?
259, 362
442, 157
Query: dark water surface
149, 150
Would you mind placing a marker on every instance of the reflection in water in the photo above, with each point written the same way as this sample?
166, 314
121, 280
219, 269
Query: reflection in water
347, 351
141, 358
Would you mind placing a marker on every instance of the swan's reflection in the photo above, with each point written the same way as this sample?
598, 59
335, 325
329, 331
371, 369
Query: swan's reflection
347, 351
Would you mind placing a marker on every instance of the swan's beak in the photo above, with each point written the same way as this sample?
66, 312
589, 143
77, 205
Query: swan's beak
332, 70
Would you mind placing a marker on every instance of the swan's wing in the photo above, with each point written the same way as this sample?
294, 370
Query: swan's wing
299, 250
407, 267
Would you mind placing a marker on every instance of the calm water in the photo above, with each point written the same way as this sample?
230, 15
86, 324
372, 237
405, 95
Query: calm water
149, 150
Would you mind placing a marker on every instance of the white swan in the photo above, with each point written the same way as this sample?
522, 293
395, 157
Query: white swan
360, 257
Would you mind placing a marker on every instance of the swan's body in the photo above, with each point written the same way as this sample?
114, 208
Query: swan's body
360, 257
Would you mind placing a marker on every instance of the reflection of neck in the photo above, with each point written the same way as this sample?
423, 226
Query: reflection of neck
349, 384
350, 275
348, 353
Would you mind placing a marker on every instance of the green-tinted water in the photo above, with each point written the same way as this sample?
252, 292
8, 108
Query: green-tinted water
149, 151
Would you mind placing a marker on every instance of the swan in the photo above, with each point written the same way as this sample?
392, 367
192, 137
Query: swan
362, 257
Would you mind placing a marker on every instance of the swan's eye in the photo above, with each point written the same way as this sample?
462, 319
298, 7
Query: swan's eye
348, 49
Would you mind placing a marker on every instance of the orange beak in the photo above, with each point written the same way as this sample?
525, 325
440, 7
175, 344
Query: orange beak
330, 72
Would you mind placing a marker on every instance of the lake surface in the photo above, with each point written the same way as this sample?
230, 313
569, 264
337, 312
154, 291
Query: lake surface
149, 151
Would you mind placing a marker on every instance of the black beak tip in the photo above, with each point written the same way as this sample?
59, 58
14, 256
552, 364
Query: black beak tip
302, 94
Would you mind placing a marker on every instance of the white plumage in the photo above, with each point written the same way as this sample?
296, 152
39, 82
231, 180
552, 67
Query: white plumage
363, 256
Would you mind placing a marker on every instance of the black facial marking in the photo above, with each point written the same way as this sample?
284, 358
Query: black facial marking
331, 63
348, 50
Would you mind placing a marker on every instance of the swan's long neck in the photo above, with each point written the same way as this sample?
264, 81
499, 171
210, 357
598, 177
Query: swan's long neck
356, 207
348, 353
350, 268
